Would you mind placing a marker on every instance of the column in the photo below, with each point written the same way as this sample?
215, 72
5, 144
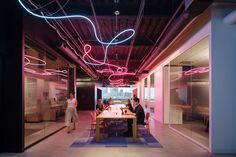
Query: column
223, 77
11, 73
72, 79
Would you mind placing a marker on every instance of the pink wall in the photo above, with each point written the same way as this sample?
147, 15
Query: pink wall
158, 110
158, 95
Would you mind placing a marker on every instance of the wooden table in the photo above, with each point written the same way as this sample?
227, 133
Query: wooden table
116, 115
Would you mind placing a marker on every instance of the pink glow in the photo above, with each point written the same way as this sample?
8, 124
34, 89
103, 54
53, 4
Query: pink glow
87, 48
120, 71
29, 62
56, 72
198, 70
158, 96
177, 74
105, 71
47, 72
64, 80
30, 70
118, 74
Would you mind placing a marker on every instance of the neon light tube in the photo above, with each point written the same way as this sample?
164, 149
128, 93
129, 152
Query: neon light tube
83, 17
120, 71
28, 58
198, 70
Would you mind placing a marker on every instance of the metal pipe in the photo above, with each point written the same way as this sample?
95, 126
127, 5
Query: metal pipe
98, 28
137, 23
144, 62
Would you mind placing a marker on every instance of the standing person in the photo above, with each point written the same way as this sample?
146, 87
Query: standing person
139, 114
71, 112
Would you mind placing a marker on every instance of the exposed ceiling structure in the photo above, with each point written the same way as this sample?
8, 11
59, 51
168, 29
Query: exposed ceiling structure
152, 21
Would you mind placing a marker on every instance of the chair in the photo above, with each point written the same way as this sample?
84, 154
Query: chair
93, 121
147, 121
145, 127
97, 112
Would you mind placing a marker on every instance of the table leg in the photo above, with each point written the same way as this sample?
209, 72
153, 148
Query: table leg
134, 129
97, 130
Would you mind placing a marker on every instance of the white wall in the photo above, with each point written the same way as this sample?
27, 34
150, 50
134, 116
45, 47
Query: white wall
223, 77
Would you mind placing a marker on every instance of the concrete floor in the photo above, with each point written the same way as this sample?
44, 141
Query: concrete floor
58, 145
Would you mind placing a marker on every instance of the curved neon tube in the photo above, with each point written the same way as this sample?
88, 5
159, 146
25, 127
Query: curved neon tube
47, 72
56, 72
27, 57
198, 70
27, 61
118, 74
87, 48
78, 16
64, 80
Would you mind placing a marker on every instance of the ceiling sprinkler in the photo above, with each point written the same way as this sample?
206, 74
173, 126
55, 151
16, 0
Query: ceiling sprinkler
117, 12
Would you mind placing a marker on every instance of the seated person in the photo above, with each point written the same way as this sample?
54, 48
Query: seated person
107, 105
128, 106
139, 114
109, 101
99, 106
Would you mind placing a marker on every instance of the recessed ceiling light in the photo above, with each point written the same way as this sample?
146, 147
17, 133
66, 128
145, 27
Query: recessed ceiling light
117, 12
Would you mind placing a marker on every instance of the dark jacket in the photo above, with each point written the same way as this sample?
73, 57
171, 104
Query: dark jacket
139, 114
100, 108
130, 107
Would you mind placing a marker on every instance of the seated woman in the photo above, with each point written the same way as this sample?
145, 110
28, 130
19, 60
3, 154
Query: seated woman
99, 106
127, 106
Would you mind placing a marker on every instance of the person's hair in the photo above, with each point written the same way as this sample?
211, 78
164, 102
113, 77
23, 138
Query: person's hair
128, 100
136, 99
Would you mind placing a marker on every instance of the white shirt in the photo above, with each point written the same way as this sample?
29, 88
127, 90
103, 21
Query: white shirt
71, 103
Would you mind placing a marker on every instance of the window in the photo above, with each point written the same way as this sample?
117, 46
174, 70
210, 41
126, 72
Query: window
152, 86
117, 94
145, 89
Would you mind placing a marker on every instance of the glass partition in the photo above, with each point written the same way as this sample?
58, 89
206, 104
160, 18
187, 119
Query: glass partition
189, 92
45, 77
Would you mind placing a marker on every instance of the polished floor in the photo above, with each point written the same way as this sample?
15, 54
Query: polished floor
58, 145
195, 130
36, 131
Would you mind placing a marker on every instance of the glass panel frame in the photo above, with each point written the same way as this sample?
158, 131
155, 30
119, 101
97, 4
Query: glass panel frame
45, 83
189, 92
